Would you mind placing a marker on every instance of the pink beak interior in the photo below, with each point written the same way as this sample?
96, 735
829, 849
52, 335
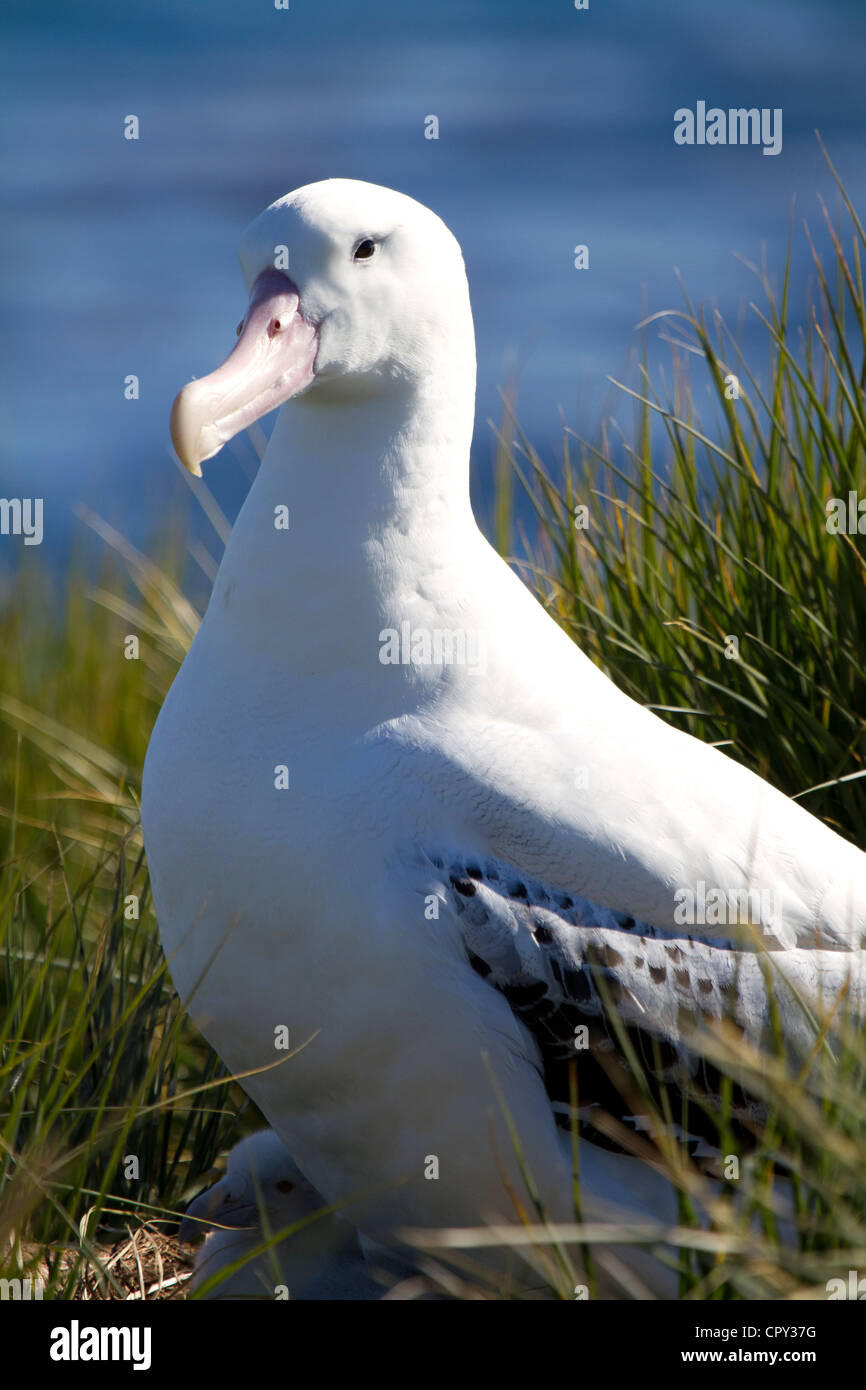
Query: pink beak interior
272, 361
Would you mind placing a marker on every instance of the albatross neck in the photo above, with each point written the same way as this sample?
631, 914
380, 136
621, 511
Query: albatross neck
396, 458
377, 492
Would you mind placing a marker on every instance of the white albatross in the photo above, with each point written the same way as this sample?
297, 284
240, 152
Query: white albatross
390, 805
262, 1193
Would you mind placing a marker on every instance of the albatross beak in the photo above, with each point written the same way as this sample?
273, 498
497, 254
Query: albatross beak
218, 1206
271, 361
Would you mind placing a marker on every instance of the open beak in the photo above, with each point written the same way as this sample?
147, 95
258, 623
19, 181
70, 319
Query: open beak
271, 362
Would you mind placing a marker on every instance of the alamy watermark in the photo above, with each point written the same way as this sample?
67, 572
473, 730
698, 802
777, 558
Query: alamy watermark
437, 646
853, 1288
846, 516
30, 1287
724, 907
22, 516
77, 1343
739, 125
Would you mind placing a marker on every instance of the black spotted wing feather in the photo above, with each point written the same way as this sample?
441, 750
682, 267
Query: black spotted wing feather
597, 988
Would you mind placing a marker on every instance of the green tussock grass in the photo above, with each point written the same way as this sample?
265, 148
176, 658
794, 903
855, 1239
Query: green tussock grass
114, 1106
708, 522
705, 522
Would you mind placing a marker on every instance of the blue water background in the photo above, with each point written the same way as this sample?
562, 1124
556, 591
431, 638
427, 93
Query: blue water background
556, 128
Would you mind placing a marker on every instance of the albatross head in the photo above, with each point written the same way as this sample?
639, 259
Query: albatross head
260, 1176
353, 289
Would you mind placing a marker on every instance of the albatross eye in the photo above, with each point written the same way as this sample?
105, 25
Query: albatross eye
284, 1185
364, 250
